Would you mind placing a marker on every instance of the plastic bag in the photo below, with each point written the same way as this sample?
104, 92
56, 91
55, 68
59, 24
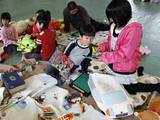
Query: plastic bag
110, 95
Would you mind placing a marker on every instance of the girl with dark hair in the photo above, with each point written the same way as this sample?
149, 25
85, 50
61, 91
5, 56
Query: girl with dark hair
8, 35
45, 38
39, 14
31, 29
121, 49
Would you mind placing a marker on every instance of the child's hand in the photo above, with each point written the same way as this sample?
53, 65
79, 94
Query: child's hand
70, 63
64, 58
7, 68
66, 61
101, 48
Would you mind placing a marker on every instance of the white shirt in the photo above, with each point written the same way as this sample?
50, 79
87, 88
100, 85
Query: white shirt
114, 39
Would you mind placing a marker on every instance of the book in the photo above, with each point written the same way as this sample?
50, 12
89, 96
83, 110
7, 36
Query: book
13, 82
81, 84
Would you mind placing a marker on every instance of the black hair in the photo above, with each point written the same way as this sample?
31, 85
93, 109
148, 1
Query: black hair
6, 16
44, 18
120, 11
87, 30
48, 15
71, 5
41, 11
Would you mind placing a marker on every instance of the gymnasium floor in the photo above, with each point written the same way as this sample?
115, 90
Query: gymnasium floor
146, 13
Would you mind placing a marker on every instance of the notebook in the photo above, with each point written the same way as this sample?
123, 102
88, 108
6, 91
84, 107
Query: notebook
13, 82
81, 84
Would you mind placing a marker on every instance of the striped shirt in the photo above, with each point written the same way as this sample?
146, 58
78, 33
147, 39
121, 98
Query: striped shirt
77, 52
8, 35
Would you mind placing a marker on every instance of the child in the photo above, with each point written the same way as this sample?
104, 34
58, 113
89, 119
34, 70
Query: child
34, 27
121, 49
77, 16
78, 51
8, 35
45, 38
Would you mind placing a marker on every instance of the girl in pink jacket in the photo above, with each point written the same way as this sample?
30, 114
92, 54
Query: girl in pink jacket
121, 50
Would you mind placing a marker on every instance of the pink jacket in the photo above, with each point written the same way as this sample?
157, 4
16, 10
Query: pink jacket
126, 57
8, 35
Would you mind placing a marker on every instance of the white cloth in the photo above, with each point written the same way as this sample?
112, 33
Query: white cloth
122, 79
26, 110
103, 68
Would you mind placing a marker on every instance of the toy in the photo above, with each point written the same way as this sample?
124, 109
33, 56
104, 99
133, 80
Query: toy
97, 66
26, 44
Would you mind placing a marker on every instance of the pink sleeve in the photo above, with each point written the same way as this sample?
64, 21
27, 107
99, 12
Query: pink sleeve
3, 34
126, 50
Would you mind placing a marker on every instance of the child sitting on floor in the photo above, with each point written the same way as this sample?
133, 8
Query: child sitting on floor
34, 30
45, 38
8, 35
78, 51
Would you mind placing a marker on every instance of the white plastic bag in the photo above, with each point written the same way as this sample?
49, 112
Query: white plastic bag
110, 95
38, 83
